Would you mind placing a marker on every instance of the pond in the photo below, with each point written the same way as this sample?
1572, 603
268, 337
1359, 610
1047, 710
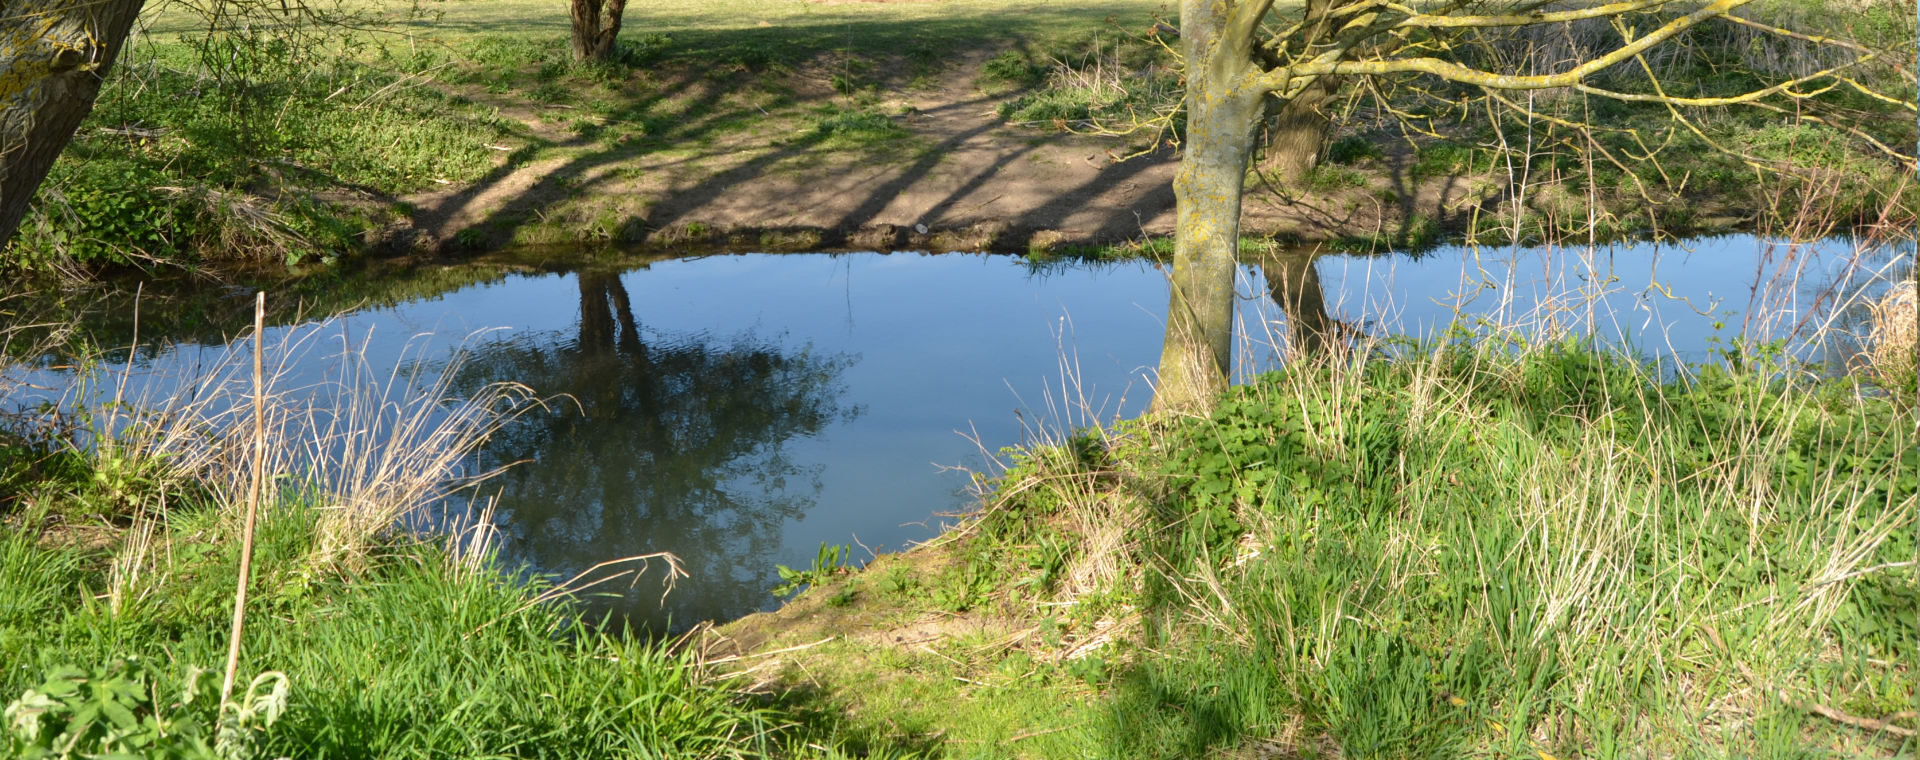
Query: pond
742, 410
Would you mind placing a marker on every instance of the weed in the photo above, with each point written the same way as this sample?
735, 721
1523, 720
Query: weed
829, 561
130, 707
855, 126
1013, 68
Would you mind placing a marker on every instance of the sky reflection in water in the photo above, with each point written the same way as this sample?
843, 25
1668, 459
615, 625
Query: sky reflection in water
741, 410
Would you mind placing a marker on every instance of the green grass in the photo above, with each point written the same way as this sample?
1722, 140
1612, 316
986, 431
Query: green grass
1465, 553
1485, 548
406, 658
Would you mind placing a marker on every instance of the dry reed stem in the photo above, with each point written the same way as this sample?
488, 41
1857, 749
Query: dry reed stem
259, 479
1893, 341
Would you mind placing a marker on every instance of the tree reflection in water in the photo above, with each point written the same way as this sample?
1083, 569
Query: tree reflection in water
665, 444
1293, 282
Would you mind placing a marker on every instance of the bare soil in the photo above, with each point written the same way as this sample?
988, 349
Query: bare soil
963, 180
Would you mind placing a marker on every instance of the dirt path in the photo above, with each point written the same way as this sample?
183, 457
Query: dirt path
962, 180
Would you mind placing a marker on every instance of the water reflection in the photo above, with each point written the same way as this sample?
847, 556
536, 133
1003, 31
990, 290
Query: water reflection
710, 408
663, 443
1673, 303
1293, 284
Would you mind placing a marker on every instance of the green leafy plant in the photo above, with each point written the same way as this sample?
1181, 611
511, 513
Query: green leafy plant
831, 560
1013, 68
130, 708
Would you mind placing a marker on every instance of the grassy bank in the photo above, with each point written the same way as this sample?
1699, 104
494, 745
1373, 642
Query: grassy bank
1481, 548
120, 525
410, 655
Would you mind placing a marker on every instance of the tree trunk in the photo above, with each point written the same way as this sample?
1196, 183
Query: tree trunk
597, 331
596, 27
1222, 116
1297, 133
53, 56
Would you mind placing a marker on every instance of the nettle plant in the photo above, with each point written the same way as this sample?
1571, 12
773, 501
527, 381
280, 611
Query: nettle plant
132, 708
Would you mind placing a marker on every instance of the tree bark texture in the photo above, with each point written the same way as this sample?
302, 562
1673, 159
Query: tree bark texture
1223, 115
53, 56
596, 27
1297, 133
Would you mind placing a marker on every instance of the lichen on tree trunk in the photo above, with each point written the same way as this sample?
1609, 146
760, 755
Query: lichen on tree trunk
1222, 117
53, 56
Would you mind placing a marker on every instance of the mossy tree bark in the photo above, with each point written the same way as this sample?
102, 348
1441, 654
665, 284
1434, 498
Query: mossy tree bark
53, 56
596, 28
1223, 114
1297, 132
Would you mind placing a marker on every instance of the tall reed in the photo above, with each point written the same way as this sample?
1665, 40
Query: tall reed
366, 445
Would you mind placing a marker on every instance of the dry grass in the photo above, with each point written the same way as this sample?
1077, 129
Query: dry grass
367, 448
1893, 342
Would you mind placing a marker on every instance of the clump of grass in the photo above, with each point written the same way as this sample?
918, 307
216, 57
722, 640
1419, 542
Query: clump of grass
368, 447
855, 126
1114, 82
1013, 68
1893, 342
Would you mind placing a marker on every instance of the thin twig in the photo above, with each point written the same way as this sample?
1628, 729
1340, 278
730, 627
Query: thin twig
772, 653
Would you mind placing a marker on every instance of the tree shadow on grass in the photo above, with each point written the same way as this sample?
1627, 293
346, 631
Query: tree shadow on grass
710, 75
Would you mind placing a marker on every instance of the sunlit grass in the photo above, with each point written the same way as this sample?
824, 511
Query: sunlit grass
955, 26
395, 644
1467, 552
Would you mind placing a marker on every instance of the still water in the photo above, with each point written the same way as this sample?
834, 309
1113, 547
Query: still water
741, 410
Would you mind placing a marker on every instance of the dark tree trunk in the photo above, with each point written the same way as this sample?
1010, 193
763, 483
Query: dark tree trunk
56, 53
1297, 129
596, 27
607, 325
597, 330
1297, 134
